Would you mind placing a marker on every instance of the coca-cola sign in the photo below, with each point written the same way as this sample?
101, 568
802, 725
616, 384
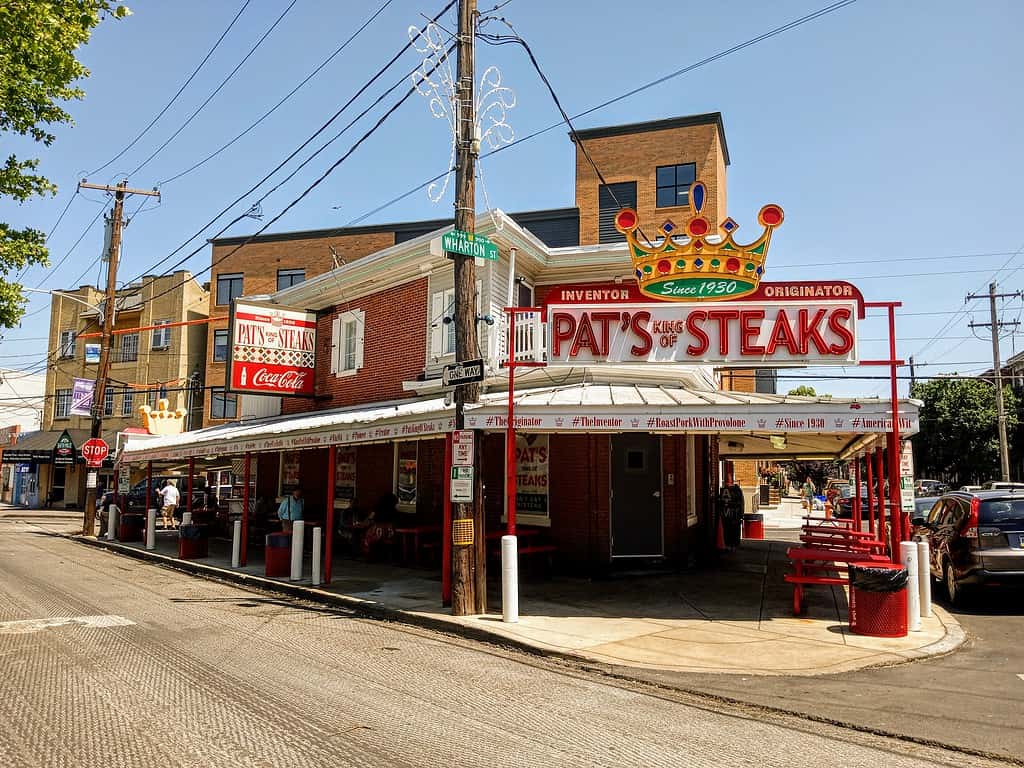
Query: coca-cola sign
272, 350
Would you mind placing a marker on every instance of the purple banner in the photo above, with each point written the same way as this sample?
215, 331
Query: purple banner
81, 397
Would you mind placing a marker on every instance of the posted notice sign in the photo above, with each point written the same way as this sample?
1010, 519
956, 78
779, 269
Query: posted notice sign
462, 448
462, 485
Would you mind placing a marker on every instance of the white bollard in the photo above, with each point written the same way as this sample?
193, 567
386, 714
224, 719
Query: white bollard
298, 533
908, 558
112, 522
236, 544
186, 518
924, 577
509, 579
316, 556
150, 529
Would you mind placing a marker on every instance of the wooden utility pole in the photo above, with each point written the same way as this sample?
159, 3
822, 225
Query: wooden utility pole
109, 317
469, 592
997, 369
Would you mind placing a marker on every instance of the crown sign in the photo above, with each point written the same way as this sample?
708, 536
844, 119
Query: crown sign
163, 421
696, 269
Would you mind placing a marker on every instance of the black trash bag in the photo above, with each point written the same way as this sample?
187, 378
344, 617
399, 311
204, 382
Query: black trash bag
867, 579
192, 531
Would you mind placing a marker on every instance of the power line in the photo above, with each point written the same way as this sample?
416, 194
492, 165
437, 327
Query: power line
696, 65
216, 90
174, 98
284, 162
287, 96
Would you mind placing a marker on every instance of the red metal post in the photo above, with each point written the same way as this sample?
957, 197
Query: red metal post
332, 468
191, 472
857, 522
895, 497
510, 429
246, 477
880, 493
446, 525
871, 491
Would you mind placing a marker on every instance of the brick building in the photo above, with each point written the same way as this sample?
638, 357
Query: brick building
606, 469
145, 365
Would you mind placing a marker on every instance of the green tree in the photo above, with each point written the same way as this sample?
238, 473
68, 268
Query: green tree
38, 72
804, 391
959, 438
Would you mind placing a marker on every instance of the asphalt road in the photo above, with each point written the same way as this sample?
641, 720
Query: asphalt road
137, 665
972, 698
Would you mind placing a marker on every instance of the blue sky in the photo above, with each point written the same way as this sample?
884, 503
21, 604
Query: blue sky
885, 130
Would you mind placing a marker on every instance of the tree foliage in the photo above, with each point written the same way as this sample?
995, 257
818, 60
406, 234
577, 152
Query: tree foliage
804, 391
959, 437
38, 75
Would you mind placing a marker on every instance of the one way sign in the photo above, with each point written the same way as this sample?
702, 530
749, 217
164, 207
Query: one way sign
466, 372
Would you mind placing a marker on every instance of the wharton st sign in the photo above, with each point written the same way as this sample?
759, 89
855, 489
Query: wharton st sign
738, 333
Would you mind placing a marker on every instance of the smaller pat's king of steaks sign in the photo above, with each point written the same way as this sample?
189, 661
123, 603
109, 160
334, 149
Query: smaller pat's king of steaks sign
273, 350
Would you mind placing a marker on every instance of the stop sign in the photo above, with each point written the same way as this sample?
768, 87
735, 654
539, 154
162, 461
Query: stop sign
94, 451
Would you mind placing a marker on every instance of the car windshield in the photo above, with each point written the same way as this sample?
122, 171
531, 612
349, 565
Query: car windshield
1004, 511
923, 505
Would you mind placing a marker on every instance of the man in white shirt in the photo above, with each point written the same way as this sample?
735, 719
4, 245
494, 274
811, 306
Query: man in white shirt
169, 494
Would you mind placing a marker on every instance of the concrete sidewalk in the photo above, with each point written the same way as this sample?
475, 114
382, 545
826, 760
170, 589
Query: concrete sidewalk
733, 618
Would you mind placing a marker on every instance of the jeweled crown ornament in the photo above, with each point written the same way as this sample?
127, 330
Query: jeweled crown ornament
162, 420
695, 269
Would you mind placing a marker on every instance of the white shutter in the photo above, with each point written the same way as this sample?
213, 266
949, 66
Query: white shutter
360, 318
437, 326
335, 343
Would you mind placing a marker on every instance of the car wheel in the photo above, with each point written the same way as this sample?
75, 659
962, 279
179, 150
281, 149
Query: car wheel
953, 590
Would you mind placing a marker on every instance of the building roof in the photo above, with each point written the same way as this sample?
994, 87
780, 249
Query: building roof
543, 223
686, 121
579, 408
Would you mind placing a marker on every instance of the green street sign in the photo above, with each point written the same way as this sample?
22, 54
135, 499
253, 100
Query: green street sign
467, 244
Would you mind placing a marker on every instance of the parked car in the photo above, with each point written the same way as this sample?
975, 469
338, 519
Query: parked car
1001, 485
930, 488
844, 507
970, 488
975, 539
135, 500
923, 505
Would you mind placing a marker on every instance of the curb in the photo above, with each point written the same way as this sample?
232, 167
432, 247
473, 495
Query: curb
363, 608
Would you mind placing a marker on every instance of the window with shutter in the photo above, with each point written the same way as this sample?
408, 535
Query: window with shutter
347, 341
611, 199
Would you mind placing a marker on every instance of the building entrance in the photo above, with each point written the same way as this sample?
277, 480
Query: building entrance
636, 508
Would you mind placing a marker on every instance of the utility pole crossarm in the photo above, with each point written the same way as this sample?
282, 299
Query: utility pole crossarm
83, 184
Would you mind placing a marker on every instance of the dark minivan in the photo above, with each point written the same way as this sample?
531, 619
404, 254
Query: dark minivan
975, 539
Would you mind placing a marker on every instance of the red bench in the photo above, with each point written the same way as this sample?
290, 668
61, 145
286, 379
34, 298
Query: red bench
814, 565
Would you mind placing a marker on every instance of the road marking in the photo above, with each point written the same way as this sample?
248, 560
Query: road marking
1021, 677
36, 625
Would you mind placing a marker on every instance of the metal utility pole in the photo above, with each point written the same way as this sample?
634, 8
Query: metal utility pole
116, 224
469, 591
913, 377
997, 368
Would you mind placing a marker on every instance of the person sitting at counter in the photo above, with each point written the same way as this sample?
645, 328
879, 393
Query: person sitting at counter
291, 509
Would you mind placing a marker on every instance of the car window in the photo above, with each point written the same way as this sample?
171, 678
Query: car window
935, 516
958, 509
1003, 511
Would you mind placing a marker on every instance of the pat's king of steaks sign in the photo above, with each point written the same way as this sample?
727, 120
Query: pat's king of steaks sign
710, 305
272, 350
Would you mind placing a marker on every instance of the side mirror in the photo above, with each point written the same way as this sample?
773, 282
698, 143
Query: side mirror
918, 521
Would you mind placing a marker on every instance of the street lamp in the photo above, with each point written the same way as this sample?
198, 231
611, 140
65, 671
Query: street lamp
62, 295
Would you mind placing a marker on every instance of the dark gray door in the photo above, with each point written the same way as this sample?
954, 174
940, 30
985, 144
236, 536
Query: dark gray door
636, 496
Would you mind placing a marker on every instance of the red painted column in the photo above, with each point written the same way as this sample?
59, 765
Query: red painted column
246, 477
870, 490
510, 430
880, 497
191, 473
332, 466
857, 522
446, 525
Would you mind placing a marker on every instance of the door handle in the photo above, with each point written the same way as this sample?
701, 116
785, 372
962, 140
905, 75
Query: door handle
656, 494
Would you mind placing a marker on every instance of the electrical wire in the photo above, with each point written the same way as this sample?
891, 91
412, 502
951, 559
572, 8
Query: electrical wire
153, 269
287, 96
216, 90
174, 98
696, 65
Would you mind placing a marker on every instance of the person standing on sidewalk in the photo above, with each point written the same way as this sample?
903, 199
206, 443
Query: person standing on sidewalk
170, 496
807, 492
291, 509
